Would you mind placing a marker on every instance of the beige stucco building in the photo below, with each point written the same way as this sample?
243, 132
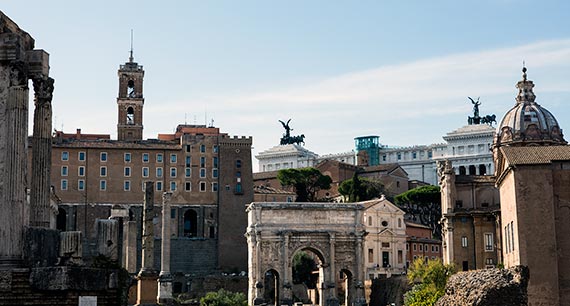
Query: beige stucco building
385, 243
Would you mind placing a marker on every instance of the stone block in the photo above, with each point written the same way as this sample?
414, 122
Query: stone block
38, 63
41, 247
70, 278
108, 238
70, 250
5, 280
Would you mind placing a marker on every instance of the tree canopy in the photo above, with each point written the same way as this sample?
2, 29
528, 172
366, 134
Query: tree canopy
360, 189
224, 298
306, 181
429, 279
419, 195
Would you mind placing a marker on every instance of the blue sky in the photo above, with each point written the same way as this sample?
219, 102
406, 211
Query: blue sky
340, 69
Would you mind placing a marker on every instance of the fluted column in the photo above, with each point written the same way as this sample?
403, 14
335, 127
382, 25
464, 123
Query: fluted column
41, 153
14, 104
165, 279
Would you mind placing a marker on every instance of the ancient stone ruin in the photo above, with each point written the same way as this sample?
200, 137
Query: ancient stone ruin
490, 287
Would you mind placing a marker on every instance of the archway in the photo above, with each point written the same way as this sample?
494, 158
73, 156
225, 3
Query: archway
462, 170
278, 232
482, 169
308, 276
190, 223
271, 285
472, 170
61, 221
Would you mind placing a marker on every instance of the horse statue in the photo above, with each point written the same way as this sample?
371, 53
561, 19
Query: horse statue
298, 139
489, 119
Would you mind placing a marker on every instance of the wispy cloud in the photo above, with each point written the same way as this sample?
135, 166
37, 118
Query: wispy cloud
403, 95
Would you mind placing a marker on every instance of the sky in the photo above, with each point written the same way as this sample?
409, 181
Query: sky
401, 70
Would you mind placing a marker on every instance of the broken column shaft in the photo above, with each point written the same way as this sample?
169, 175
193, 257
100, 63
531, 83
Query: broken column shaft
165, 279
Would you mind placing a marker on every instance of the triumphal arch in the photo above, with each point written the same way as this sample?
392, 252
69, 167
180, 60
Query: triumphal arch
333, 232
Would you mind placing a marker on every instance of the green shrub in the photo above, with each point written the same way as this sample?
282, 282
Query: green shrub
224, 298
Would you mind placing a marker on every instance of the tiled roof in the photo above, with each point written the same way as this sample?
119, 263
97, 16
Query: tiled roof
381, 167
412, 224
265, 175
270, 190
535, 154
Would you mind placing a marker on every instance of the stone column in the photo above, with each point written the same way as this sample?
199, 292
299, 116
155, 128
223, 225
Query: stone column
147, 288
359, 296
287, 277
165, 279
40, 210
333, 299
13, 160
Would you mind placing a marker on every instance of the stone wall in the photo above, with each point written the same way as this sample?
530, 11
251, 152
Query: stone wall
505, 287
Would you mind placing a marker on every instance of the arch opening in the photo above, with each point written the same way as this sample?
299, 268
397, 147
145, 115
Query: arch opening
131, 89
190, 223
130, 115
308, 276
344, 286
271, 285
61, 220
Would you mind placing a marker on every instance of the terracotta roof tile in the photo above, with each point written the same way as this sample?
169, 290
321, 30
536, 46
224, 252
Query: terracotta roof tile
535, 154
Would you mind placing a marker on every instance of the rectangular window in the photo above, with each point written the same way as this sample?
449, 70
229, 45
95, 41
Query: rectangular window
188, 148
464, 241
202, 161
103, 156
214, 187
65, 156
173, 158
202, 173
430, 154
202, 186
238, 163
407, 246
187, 172
145, 157
103, 185
188, 186
214, 172
172, 186
489, 242
399, 156
64, 170
202, 148
80, 185
421, 247
385, 244
127, 157
414, 246
103, 171
145, 171
81, 156
172, 213
370, 255
400, 257
433, 248
158, 186
127, 171
63, 184
81, 171
159, 158
414, 155
188, 161
437, 248
159, 172
238, 188
127, 185
173, 172
512, 236
489, 261
426, 247
215, 162
215, 149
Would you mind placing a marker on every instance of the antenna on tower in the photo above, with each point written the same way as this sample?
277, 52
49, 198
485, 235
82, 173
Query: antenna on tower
185, 119
131, 57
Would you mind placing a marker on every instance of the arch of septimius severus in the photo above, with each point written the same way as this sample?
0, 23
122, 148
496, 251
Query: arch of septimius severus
333, 232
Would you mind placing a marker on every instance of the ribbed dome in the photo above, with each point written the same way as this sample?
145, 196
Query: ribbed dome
528, 122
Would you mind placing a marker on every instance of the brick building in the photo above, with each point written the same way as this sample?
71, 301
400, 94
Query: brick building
208, 171
420, 243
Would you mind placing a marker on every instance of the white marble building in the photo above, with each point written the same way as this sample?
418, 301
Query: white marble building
284, 157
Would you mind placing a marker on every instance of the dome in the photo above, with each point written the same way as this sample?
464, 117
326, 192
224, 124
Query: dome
527, 122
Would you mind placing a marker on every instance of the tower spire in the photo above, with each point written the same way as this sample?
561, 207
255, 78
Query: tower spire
131, 58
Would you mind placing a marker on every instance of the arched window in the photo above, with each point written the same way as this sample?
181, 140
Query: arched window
61, 222
131, 89
399, 222
190, 223
462, 170
472, 170
482, 170
130, 115
370, 220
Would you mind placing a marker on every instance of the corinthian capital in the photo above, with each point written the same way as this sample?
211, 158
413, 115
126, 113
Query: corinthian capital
43, 90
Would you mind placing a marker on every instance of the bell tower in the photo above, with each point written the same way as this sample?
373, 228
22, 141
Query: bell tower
130, 100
